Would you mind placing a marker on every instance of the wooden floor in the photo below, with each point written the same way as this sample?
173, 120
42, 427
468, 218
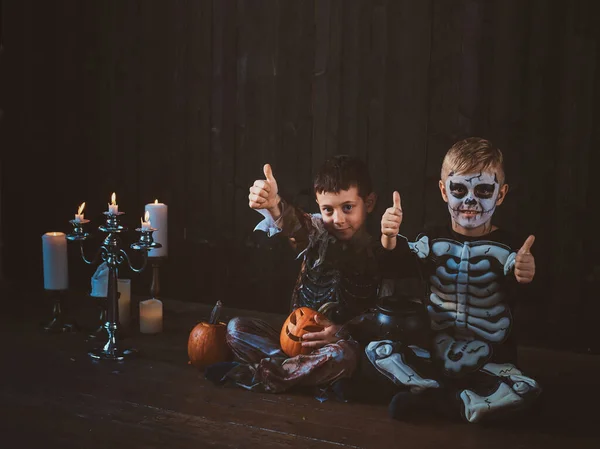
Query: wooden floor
53, 395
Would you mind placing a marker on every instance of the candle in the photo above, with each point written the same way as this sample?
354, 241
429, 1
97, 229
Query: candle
151, 321
146, 223
124, 288
79, 214
157, 213
113, 207
56, 272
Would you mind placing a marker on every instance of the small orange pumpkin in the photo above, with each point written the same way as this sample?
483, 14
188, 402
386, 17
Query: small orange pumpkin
300, 322
207, 344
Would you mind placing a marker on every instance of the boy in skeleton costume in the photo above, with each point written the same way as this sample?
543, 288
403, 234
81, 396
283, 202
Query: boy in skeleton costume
472, 266
339, 276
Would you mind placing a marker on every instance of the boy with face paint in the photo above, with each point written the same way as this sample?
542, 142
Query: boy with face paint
472, 268
339, 277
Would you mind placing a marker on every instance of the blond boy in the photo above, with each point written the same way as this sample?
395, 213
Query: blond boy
473, 268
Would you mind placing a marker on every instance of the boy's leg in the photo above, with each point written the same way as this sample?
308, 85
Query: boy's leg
510, 390
252, 339
410, 369
403, 365
321, 367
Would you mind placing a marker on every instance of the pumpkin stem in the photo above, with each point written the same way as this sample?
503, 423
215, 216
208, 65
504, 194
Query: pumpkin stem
216, 311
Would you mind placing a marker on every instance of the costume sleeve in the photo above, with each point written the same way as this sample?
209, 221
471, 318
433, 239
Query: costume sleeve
400, 262
293, 223
267, 224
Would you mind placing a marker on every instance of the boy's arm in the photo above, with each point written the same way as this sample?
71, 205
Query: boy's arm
264, 197
397, 259
279, 216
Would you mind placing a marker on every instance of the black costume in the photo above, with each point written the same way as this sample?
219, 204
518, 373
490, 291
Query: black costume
469, 299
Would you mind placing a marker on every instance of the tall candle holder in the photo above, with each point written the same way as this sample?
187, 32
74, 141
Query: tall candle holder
156, 263
110, 251
58, 324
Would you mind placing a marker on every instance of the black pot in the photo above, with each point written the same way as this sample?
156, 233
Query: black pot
397, 318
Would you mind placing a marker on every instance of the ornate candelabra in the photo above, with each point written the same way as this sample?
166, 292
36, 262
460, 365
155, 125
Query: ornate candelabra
110, 252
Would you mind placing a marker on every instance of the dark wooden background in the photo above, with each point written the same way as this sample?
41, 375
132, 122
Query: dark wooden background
184, 101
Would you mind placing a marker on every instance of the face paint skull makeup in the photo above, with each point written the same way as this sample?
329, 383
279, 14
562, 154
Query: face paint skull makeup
472, 198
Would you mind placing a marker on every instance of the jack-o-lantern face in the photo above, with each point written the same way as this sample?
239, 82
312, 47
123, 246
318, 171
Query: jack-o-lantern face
300, 322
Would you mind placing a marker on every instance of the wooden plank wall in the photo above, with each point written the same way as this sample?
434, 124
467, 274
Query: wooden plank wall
185, 101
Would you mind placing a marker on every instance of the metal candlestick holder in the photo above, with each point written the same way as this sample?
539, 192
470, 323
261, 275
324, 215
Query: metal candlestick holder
156, 263
57, 324
110, 251
101, 302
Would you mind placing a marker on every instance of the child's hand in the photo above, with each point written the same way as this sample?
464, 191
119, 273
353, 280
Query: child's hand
263, 193
525, 262
390, 223
317, 340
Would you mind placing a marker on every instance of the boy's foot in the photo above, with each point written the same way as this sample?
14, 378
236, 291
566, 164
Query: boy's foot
342, 390
406, 405
217, 373
425, 405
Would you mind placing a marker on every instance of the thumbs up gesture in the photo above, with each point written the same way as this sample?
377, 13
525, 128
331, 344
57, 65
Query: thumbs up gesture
525, 262
390, 223
263, 193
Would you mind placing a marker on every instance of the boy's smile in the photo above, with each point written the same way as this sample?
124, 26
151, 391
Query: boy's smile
344, 213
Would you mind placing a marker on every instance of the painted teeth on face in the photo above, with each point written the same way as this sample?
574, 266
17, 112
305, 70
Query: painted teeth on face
472, 198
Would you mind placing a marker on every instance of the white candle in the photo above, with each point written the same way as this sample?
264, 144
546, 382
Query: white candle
157, 213
124, 288
113, 207
79, 214
151, 320
56, 270
146, 223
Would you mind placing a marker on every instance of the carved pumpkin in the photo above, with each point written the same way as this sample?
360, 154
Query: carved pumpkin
300, 322
207, 344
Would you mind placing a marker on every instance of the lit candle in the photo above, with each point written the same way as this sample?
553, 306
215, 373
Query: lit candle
151, 320
157, 213
56, 272
146, 223
113, 207
79, 214
124, 288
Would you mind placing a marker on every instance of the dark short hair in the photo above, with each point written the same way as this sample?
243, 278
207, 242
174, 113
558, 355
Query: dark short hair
342, 172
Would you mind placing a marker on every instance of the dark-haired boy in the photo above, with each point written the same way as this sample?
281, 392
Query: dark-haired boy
339, 274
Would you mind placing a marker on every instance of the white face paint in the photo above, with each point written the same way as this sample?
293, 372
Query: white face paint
472, 198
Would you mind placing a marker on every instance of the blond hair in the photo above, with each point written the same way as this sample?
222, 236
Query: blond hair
471, 155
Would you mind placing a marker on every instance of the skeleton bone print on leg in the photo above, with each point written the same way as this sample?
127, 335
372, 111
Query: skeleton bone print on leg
472, 198
466, 304
514, 389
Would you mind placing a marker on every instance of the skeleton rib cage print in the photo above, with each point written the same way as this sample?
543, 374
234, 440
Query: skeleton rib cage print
466, 304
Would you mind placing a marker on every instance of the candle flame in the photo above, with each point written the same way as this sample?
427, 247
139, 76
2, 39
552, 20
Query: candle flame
155, 201
147, 216
113, 199
81, 207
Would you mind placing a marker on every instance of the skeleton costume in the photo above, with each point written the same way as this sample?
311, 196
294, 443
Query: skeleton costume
471, 291
343, 275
